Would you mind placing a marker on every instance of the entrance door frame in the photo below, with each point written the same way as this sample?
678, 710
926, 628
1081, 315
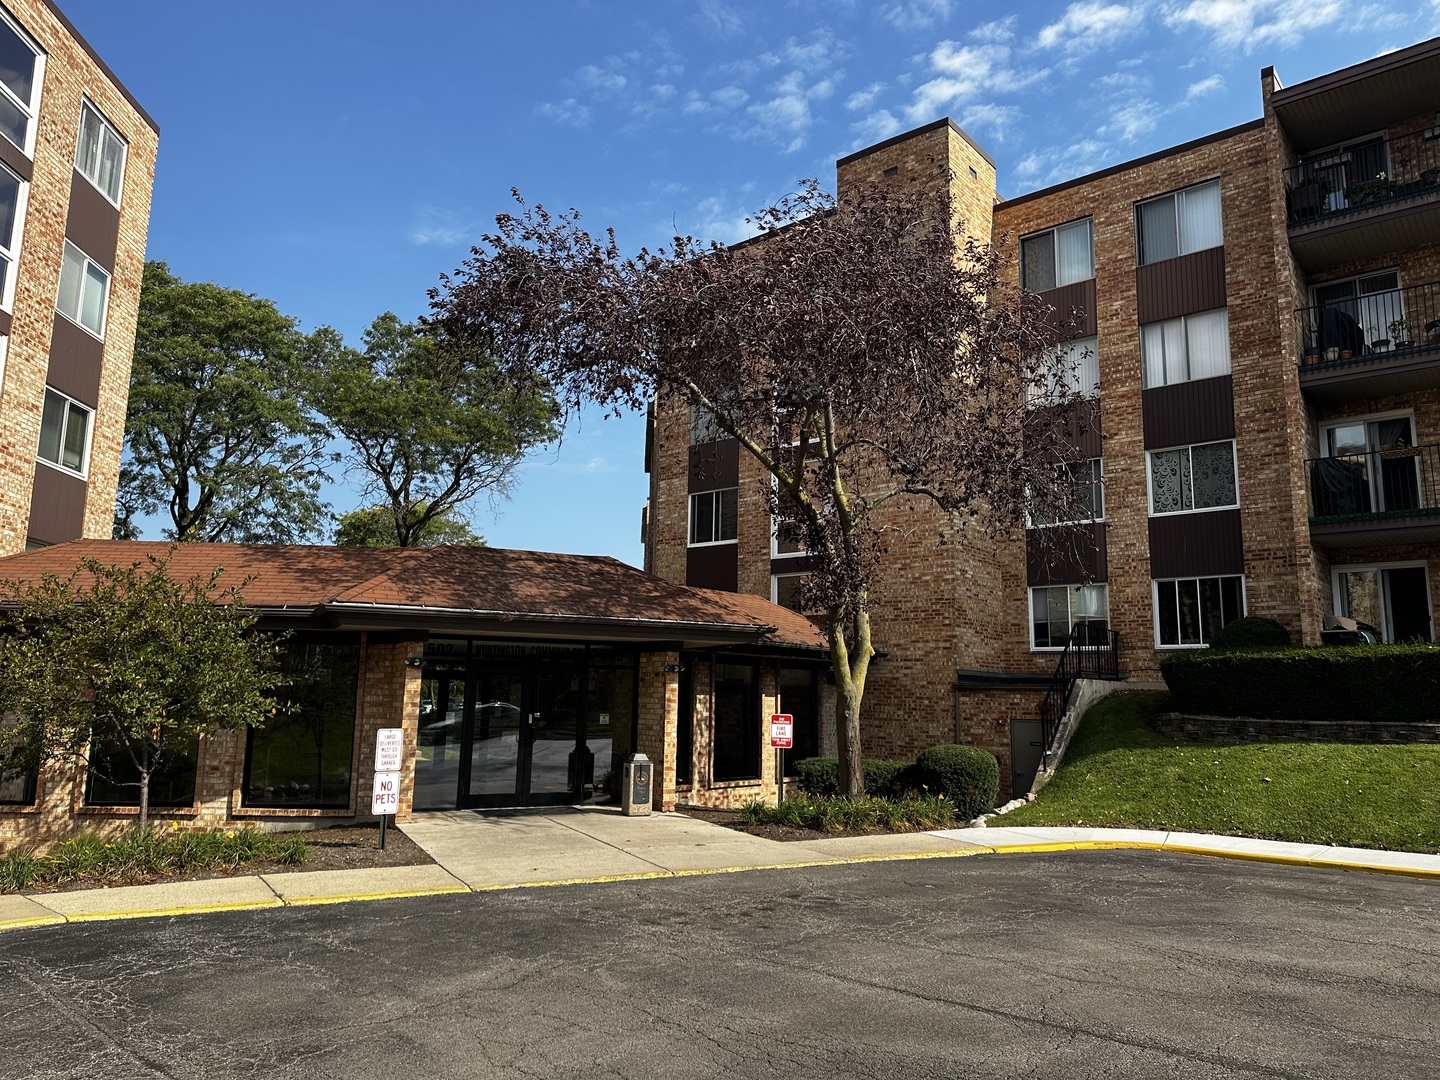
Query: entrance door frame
1387, 630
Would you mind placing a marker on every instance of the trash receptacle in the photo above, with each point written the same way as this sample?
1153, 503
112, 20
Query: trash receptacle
635, 792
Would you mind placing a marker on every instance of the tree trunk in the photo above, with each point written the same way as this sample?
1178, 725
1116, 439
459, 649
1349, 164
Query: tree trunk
144, 797
851, 667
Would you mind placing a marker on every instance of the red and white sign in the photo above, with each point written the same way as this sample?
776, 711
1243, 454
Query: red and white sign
385, 795
389, 749
782, 731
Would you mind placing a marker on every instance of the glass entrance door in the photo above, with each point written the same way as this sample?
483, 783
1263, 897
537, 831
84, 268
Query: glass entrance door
525, 741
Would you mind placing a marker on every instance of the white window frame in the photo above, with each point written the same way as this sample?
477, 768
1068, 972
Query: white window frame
1326, 426
775, 584
1184, 321
12, 253
690, 518
1074, 355
1139, 249
1098, 482
105, 123
84, 279
84, 471
30, 108
1155, 605
1386, 628
1054, 230
1069, 610
1150, 482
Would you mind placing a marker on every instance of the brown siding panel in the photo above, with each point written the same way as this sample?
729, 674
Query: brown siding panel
714, 567
1190, 412
75, 361
792, 564
715, 465
1181, 286
1077, 555
1196, 545
1079, 425
12, 156
1066, 300
57, 506
92, 223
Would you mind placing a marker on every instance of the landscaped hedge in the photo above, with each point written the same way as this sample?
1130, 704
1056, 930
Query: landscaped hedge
1251, 632
1396, 683
821, 776
966, 775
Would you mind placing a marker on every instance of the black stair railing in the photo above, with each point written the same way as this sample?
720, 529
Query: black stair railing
1093, 652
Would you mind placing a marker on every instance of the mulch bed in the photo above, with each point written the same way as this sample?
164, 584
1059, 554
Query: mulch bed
341, 847
732, 819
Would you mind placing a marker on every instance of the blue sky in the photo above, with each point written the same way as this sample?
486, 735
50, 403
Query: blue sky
337, 157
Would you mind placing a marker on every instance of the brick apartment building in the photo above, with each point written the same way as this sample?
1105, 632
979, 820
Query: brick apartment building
77, 164
1262, 312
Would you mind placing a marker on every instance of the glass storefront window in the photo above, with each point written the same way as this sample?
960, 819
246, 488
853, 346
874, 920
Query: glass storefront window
115, 778
302, 758
737, 723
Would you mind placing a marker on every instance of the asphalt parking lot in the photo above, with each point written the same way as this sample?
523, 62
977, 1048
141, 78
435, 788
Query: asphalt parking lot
1075, 965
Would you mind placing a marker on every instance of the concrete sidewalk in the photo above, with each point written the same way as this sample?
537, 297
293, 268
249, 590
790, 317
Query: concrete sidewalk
529, 848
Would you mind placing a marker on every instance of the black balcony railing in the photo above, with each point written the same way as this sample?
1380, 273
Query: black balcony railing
1369, 327
1363, 175
1402, 481
1093, 652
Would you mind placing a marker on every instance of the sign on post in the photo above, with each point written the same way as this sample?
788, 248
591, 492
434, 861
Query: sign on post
385, 795
389, 749
782, 731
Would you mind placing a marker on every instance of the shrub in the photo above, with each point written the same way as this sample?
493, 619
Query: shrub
1251, 632
966, 775
821, 776
1394, 683
831, 813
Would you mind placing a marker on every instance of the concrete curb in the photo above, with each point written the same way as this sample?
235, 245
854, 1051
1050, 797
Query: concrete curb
19, 912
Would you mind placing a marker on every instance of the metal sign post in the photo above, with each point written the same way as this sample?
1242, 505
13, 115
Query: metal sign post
782, 737
385, 792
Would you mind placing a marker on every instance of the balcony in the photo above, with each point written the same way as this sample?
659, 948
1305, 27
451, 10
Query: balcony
1383, 497
1365, 199
1371, 345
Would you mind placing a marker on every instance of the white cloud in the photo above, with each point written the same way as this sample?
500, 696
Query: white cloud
717, 219
722, 18
569, 111
863, 99
997, 119
1051, 166
786, 115
999, 30
1247, 23
1214, 84
1132, 119
604, 80
442, 226
916, 14
876, 127
1091, 24
964, 73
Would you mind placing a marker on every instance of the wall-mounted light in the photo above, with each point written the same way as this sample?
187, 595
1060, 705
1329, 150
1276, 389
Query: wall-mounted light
673, 669
414, 661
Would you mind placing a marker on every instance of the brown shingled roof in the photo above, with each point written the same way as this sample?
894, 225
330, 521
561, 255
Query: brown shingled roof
457, 589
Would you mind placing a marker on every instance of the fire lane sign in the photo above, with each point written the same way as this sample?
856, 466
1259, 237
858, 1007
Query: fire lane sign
782, 731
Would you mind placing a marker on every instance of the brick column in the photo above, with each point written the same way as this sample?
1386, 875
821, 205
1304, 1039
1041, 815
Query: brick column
659, 722
389, 697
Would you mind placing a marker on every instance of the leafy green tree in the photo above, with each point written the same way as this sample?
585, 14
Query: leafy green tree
219, 434
127, 657
374, 526
428, 434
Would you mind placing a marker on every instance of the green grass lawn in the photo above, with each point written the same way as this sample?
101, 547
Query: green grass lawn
1120, 773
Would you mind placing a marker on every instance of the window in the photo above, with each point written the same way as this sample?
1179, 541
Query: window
1189, 611
1055, 610
1393, 598
800, 698
1178, 224
84, 290
1186, 349
22, 71
1056, 257
785, 590
713, 517
100, 153
704, 427
17, 788
737, 723
1193, 478
302, 758
13, 191
65, 432
1089, 505
1067, 370
115, 778
1356, 313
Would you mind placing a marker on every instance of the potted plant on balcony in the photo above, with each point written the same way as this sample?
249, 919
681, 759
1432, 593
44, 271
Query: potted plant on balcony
1360, 192
1377, 343
1400, 334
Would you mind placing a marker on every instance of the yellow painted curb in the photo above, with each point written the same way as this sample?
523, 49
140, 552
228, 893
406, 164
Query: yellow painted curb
31, 920
1214, 853
188, 909
1375, 868
310, 901
642, 875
